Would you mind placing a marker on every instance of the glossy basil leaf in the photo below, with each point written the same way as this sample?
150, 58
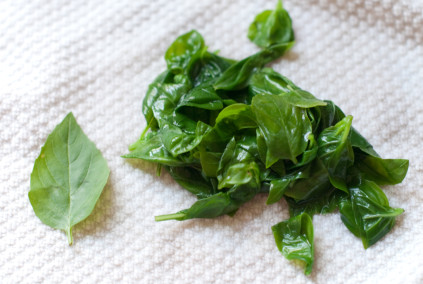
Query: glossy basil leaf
335, 151
192, 180
177, 142
366, 212
152, 95
184, 51
68, 177
309, 154
294, 239
151, 149
237, 166
271, 27
279, 166
203, 96
208, 68
268, 81
285, 128
358, 141
210, 162
381, 171
329, 115
236, 77
277, 189
210, 207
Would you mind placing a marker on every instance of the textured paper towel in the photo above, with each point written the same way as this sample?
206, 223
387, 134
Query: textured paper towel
96, 58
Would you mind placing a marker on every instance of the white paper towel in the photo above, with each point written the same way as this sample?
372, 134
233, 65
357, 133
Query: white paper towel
96, 58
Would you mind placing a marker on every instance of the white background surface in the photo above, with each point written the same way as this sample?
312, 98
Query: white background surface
96, 58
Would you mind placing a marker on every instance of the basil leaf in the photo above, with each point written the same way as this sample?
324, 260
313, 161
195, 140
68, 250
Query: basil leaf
358, 141
285, 127
202, 96
335, 151
210, 207
267, 81
208, 68
68, 177
236, 77
294, 239
271, 27
381, 171
184, 51
366, 212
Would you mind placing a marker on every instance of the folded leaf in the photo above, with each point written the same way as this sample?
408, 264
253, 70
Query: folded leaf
68, 177
335, 151
285, 127
366, 212
271, 27
294, 239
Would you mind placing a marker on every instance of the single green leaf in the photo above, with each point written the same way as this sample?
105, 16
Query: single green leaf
184, 51
381, 171
366, 212
210, 207
294, 239
277, 189
68, 177
358, 141
284, 127
268, 81
271, 27
335, 151
309, 154
237, 76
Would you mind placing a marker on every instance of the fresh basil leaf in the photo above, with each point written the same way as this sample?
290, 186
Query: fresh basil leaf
309, 154
294, 239
184, 51
210, 162
335, 151
271, 27
236, 77
366, 212
381, 171
284, 127
68, 177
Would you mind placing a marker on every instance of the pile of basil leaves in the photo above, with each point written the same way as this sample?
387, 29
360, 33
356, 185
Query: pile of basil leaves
228, 130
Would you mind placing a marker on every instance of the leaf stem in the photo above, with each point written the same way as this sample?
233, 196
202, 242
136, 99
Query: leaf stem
69, 235
175, 216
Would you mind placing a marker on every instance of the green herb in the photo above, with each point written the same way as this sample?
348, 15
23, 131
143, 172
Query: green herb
68, 177
227, 131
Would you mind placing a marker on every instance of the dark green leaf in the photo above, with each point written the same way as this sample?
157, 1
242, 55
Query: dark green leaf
294, 239
208, 68
366, 212
203, 96
210, 207
184, 51
335, 151
68, 177
284, 127
151, 149
236, 77
358, 141
381, 171
192, 180
271, 27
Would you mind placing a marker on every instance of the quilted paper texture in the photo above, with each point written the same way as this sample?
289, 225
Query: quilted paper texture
96, 59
